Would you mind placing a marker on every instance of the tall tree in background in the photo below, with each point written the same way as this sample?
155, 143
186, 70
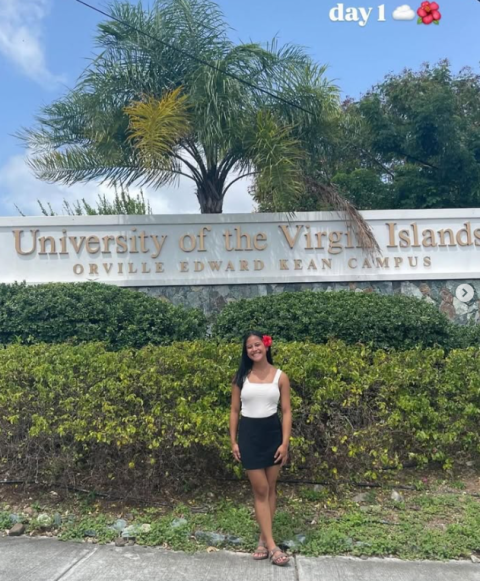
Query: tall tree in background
413, 141
144, 112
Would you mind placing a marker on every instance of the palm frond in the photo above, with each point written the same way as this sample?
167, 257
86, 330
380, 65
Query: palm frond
158, 126
275, 155
330, 196
81, 164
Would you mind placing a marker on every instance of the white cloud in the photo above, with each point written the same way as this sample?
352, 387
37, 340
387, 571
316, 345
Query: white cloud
21, 38
403, 12
18, 186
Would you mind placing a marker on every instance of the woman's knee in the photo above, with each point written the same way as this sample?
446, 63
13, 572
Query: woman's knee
261, 491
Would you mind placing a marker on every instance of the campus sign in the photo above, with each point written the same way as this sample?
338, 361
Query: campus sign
238, 248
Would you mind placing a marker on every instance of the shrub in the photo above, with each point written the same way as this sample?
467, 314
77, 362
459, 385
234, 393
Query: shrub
383, 321
139, 419
59, 312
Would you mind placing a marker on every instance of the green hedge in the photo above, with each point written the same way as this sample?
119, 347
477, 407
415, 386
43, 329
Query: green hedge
56, 313
139, 419
384, 321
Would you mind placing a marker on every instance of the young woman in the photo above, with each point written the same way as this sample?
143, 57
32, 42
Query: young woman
262, 439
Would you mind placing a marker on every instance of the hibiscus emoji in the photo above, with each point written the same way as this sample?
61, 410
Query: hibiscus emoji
428, 13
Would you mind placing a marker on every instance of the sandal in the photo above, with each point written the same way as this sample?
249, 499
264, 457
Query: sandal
261, 552
278, 557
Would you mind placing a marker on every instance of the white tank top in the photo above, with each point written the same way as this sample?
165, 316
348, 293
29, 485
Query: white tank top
260, 400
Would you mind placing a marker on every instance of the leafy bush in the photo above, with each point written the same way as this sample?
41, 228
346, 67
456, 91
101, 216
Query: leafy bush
59, 312
384, 321
133, 420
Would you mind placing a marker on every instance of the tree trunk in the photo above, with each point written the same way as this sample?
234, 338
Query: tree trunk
210, 198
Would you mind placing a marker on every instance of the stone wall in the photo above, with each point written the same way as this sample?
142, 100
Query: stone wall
212, 298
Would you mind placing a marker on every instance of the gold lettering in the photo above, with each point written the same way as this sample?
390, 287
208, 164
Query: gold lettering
43, 245
184, 267
78, 269
243, 264
260, 237
334, 238
258, 265
398, 261
298, 264
351, 261
404, 238
120, 268
106, 243
318, 236
214, 265
159, 267
133, 245
427, 261
198, 266
93, 268
413, 261
77, 247
442, 234
414, 226
107, 267
291, 241
158, 244
121, 243
92, 240
240, 238
193, 242
283, 264
227, 235
349, 239
230, 266
391, 234
476, 233
308, 238
201, 238
326, 262
130, 268
366, 263
382, 262
468, 231
18, 242
63, 243
142, 236
429, 236
312, 265
144, 268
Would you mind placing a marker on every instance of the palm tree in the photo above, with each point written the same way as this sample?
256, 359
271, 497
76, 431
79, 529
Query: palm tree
146, 112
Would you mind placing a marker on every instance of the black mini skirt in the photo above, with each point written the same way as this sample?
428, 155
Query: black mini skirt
258, 440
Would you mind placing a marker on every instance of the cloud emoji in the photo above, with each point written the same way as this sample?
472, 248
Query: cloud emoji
403, 13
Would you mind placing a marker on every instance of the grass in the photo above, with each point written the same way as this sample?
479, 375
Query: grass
437, 521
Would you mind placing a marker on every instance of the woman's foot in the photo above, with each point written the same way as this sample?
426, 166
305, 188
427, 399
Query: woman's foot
278, 557
261, 552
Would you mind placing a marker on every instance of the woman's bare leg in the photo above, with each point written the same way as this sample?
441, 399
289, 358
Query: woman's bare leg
260, 487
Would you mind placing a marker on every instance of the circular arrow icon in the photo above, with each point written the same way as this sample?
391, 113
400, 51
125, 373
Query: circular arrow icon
464, 293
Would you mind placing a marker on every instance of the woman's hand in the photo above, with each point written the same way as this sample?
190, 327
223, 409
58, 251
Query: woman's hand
281, 455
236, 452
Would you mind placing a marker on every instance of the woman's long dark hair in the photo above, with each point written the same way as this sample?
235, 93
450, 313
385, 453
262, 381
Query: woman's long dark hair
246, 363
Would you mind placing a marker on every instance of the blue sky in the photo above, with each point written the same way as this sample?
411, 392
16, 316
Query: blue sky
45, 44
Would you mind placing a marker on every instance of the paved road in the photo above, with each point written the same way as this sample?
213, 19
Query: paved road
42, 559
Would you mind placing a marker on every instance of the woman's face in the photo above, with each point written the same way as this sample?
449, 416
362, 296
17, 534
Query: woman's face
256, 350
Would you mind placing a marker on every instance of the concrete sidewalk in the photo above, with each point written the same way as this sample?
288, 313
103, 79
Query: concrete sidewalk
43, 559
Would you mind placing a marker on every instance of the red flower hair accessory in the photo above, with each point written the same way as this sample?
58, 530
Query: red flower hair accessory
267, 340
